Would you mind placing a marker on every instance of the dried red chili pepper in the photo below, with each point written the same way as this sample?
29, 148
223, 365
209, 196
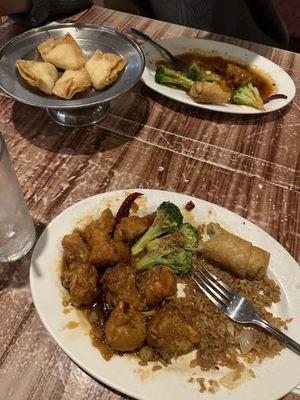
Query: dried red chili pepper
126, 205
275, 96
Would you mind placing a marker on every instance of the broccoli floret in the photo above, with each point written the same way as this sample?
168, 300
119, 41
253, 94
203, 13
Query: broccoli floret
168, 219
190, 235
166, 244
167, 76
181, 262
198, 74
185, 238
247, 95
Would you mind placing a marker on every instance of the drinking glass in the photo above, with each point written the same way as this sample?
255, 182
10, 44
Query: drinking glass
17, 232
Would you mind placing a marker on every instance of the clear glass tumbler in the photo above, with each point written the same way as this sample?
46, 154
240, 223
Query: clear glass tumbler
17, 232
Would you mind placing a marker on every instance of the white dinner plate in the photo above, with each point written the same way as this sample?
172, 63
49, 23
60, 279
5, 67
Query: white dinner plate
285, 84
274, 377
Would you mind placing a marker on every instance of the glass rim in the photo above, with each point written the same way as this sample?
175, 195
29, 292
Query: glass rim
2, 146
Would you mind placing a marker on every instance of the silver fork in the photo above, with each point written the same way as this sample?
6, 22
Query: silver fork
236, 306
176, 62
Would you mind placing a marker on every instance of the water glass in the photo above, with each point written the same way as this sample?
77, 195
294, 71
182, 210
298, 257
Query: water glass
17, 232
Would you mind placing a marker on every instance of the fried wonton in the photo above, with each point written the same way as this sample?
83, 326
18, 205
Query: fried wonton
64, 53
42, 75
72, 82
104, 68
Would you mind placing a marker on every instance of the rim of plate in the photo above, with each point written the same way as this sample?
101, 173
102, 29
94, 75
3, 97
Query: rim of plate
123, 192
182, 97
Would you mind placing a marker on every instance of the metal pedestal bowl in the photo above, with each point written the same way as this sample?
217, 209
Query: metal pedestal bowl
87, 108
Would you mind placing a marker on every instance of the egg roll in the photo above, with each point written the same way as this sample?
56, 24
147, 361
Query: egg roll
41, 75
104, 68
64, 53
72, 82
234, 253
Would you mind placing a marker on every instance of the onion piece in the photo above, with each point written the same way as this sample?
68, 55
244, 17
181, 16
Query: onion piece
246, 341
236, 377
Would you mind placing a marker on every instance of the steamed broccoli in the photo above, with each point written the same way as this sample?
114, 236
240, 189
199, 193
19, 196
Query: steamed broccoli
247, 95
198, 74
167, 76
190, 235
181, 262
168, 219
185, 238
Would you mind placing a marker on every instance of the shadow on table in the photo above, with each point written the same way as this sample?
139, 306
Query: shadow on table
214, 116
35, 125
16, 274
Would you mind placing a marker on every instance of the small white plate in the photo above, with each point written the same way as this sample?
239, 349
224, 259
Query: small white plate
285, 84
274, 377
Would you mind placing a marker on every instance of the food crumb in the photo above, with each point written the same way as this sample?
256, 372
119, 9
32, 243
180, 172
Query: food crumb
191, 380
143, 363
71, 325
189, 205
66, 310
251, 373
202, 384
156, 368
160, 168
193, 363
66, 301
214, 386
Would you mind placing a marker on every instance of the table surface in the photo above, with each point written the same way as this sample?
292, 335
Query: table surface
249, 165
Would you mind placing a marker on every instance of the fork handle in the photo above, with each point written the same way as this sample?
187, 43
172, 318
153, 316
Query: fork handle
290, 343
146, 38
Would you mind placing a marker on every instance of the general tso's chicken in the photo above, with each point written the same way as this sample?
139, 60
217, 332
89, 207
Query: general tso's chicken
74, 248
105, 254
100, 230
208, 92
239, 76
120, 281
104, 251
168, 331
158, 284
82, 281
125, 329
132, 227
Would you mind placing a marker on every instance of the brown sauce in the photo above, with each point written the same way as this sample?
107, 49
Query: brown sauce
217, 64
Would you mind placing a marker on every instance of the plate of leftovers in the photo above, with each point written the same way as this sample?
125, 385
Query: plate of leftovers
218, 76
112, 281
67, 67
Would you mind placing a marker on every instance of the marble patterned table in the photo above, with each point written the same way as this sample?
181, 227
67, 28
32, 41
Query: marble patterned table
247, 164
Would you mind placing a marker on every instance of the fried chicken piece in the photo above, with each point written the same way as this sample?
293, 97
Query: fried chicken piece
104, 251
82, 281
132, 227
74, 248
170, 332
101, 229
125, 329
120, 281
158, 284
208, 92
106, 254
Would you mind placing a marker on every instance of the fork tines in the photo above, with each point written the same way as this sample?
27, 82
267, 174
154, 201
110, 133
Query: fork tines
217, 291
